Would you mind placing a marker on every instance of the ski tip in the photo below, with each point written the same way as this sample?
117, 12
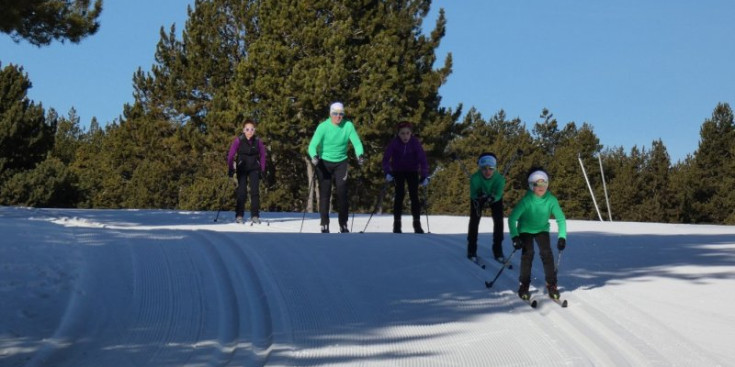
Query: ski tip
534, 303
564, 303
488, 284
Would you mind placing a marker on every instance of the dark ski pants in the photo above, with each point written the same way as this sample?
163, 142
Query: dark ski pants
242, 184
326, 171
496, 209
547, 257
402, 179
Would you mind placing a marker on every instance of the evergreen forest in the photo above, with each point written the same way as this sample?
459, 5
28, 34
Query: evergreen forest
282, 64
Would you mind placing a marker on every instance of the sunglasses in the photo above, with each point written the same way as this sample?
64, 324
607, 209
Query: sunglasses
487, 168
540, 183
249, 129
338, 114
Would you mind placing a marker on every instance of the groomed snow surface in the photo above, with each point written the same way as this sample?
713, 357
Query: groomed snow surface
171, 288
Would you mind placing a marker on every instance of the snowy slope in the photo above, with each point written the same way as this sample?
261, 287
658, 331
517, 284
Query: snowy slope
169, 288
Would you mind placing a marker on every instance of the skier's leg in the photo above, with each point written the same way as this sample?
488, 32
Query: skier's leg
498, 227
400, 180
325, 192
241, 192
527, 253
547, 257
475, 214
340, 174
254, 177
412, 179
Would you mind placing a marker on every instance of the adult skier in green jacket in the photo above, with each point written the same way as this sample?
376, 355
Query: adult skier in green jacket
328, 152
529, 221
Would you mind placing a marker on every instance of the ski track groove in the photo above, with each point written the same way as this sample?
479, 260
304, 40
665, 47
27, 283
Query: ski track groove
246, 333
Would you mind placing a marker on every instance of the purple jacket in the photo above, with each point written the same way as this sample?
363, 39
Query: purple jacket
235, 147
408, 157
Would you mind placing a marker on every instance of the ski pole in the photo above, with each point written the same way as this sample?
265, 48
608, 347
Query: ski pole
461, 164
505, 264
311, 186
378, 203
558, 261
426, 207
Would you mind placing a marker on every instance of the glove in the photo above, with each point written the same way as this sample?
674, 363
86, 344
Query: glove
561, 244
388, 177
361, 160
517, 244
425, 182
231, 172
315, 160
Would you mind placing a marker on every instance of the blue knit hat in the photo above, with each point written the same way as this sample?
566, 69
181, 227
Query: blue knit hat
487, 160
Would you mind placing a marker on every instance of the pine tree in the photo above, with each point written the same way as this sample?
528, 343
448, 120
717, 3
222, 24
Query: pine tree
26, 135
657, 203
68, 137
712, 176
41, 21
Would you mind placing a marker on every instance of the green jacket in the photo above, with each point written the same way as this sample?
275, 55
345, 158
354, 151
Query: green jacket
532, 214
330, 141
493, 186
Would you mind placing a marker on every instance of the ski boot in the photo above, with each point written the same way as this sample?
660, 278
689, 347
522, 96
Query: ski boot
325, 228
343, 228
553, 291
255, 219
417, 226
238, 219
397, 226
523, 292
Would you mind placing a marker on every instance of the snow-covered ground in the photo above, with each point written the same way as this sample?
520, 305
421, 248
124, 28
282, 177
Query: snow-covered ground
170, 288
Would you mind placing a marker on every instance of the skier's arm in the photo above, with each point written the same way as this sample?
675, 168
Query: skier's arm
356, 143
513, 219
232, 153
387, 155
497, 193
261, 149
561, 220
316, 139
423, 163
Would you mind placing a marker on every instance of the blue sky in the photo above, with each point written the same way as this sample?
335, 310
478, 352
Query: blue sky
637, 71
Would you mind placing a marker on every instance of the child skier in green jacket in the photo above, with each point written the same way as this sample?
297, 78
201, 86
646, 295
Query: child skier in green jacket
529, 221
486, 189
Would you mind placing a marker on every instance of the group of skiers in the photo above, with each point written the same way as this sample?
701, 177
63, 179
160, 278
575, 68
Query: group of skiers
405, 164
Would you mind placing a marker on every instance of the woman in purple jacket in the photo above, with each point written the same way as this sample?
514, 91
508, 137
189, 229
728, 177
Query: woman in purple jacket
405, 162
247, 159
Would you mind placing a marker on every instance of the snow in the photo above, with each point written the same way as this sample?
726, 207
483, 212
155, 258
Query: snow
173, 288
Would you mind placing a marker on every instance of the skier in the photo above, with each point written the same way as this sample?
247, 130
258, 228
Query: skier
529, 221
246, 162
404, 162
486, 189
328, 152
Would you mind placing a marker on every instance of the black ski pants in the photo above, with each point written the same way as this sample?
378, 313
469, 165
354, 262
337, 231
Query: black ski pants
326, 172
403, 179
496, 208
547, 256
253, 176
